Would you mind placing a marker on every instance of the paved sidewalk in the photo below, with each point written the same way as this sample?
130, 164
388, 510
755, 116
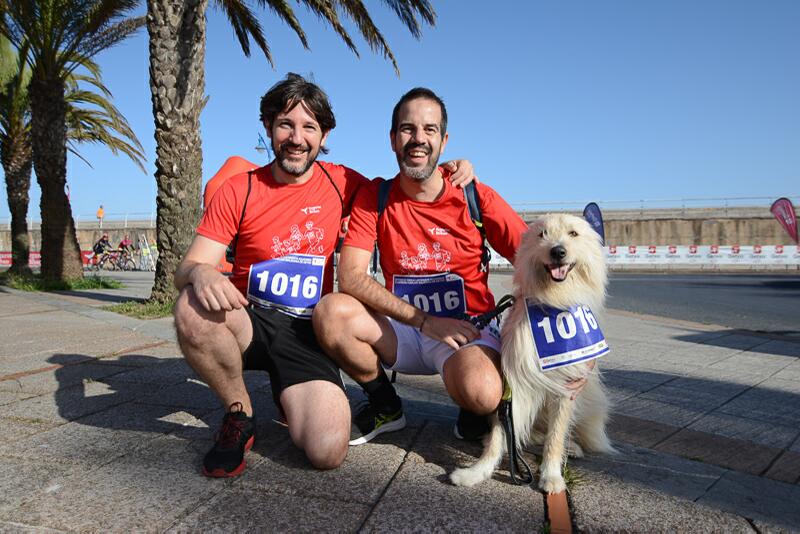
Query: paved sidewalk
103, 428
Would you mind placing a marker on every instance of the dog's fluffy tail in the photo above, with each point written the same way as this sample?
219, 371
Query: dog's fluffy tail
493, 449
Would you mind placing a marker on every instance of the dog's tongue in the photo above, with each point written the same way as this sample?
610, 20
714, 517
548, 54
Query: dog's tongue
559, 272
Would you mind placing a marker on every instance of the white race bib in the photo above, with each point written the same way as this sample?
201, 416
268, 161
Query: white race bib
291, 284
565, 337
437, 294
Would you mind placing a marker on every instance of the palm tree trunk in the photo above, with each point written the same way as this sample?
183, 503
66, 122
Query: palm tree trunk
17, 168
177, 30
61, 255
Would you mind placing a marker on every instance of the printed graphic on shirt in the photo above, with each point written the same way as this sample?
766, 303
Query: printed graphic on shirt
565, 337
291, 284
437, 294
309, 240
422, 260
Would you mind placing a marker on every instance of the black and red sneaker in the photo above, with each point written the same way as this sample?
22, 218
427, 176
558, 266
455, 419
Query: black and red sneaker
226, 458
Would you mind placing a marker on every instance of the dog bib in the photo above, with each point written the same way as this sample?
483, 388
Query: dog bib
291, 284
440, 294
565, 337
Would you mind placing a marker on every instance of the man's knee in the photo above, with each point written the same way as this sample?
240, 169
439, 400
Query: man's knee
327, 453
478, 390
332, 314
193, 323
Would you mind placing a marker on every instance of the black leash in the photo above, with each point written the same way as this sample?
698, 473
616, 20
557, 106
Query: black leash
482, 320
520, 475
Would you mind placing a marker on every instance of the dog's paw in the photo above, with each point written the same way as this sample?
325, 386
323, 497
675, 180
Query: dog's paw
574, 450
466, 477
552, 484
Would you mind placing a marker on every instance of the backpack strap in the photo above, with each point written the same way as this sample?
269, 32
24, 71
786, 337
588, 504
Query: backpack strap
230, 252
474, 207
383, 198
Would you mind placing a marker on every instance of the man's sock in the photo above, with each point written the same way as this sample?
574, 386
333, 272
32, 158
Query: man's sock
381, 393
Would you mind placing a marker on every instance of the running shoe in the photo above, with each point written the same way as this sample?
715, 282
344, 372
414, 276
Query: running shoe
226, 458
369, 422
471, 426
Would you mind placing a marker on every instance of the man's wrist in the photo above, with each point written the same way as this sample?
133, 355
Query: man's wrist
422, 322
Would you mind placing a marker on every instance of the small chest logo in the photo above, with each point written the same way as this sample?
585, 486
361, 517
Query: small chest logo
438, 231
308, 210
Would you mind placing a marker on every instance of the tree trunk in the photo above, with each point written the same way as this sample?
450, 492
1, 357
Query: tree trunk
16, 155
177, 30
61, 255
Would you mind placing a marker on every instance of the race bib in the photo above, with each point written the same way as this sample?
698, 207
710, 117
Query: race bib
440, 294
291, 284
565, 337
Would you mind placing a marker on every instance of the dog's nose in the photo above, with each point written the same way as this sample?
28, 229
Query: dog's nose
558, 253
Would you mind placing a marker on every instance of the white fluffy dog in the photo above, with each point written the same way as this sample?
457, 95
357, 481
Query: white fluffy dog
560, 280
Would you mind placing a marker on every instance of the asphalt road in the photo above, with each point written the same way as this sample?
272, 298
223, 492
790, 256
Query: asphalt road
764, 303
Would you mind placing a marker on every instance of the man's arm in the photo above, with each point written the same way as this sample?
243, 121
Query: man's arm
214, 290
463, 172
354, 280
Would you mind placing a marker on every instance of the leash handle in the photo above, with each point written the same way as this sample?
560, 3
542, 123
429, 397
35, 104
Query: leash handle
481, 321
521, 476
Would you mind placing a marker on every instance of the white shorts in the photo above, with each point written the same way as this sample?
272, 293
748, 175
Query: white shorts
417, 354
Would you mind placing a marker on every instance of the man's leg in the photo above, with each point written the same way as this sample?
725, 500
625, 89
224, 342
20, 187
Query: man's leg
213, 343
472, 378
359, 340
322, 433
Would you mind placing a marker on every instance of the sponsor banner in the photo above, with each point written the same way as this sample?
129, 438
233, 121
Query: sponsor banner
703, 255
783, 210
35, 258
594, 217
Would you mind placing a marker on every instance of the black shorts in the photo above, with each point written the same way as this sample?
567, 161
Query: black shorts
287, 349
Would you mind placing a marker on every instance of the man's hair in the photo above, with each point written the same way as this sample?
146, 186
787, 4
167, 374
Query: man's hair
287, 93
420, 92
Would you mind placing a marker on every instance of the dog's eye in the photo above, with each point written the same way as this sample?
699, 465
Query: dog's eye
573, 233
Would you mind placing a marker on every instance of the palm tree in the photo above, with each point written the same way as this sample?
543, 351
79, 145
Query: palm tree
177, 31
60, 36
101, 123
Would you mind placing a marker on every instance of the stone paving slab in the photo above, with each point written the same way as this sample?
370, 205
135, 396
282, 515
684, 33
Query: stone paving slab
770, 502
755, 431
117, 497
420, 499
786, 468
660, 412
77, 401
638, 431
244, 510
718, 450
14, 305
17, 429
69, 375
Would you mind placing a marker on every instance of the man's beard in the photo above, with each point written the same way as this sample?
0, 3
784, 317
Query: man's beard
295, 168
417, 173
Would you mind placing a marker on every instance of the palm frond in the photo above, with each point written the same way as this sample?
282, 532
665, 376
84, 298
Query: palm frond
245, 25
284, 11
326, 11
405, 10
358, 14
108, 36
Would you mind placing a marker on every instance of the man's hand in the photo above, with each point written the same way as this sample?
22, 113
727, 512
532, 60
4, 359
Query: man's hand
454, 332
214, 291
463, 172
576, 385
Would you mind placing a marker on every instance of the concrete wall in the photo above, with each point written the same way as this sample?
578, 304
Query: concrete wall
693, 226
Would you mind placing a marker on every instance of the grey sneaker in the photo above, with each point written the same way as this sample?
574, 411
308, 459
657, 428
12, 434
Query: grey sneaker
369, 422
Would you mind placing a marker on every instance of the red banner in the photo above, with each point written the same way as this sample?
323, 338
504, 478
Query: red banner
35, 258
783, 210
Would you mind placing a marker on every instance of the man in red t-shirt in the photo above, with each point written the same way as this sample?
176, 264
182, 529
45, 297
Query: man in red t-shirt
283, 220
430, 255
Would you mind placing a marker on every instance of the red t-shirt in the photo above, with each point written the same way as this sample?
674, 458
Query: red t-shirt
416, 238
281, 219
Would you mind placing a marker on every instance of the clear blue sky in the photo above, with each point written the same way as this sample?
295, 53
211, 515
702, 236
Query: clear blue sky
552, 101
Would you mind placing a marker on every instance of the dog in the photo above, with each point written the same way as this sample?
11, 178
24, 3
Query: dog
560, 280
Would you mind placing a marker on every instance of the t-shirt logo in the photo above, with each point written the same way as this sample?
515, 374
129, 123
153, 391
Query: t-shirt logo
421, 261
311, 209
307, 240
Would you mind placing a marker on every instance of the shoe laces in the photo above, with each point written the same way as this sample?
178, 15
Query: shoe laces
232, 428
